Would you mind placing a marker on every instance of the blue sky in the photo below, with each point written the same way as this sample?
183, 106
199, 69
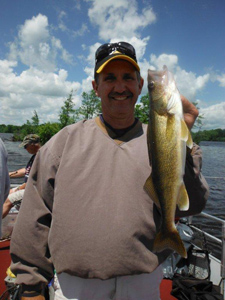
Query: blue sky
47, 48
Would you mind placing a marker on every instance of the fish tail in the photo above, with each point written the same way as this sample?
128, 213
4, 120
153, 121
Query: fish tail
171, 240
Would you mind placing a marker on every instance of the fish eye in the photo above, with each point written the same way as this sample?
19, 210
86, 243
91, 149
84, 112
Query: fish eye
151, 85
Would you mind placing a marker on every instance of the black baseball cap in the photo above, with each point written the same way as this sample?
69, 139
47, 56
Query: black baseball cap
108, 52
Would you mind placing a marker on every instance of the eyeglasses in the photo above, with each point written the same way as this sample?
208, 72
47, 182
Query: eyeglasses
123, 47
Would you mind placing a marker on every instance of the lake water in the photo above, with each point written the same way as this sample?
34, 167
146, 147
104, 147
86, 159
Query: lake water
213, 169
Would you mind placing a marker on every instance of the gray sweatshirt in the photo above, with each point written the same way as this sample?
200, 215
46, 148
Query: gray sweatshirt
4, 178
85, 211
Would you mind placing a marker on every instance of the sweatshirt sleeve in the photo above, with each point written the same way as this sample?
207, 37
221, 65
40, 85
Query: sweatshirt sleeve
31, 260
4, 178
196, 185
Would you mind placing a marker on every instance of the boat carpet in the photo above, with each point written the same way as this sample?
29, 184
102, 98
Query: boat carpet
5, 261
165, 289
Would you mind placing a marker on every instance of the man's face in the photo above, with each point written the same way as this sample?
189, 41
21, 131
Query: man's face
119, 88
31, 148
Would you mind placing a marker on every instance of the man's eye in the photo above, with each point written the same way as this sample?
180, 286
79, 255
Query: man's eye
109, 78
128, 77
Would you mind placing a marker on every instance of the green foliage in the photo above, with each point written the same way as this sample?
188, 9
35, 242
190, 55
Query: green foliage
199, 121
9, 128
47, 130
90, 107
142, 110
217, 135
35, 119
66, 115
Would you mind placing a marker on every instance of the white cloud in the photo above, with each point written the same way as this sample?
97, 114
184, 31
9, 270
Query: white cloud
62, 26
32, 90
65, 55
214, 116
221, 79
36, 47
119, 19
32, 44
34, 31
6, 66
81, 31
170, 60
91, 57
188, 83
77, 4
74, 33
43, 87
87, 84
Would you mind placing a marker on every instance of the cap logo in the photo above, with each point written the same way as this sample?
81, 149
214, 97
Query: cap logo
115, 52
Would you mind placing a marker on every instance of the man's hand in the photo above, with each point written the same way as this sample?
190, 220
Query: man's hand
190, 112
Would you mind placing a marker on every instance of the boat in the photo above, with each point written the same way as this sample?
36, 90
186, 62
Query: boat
206, 267
213, 271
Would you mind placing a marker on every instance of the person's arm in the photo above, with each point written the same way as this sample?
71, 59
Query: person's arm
190, 112
29, 243
196, 185
17, 173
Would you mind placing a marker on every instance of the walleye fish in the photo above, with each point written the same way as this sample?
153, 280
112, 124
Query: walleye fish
167, 138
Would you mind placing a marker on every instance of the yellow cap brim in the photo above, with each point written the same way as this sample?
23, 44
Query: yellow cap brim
123, 57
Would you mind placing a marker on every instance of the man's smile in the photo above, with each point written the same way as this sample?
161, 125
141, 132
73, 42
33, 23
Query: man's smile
121, 97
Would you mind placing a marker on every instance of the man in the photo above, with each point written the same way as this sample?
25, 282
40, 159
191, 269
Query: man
91, 217
4, 178
32, 144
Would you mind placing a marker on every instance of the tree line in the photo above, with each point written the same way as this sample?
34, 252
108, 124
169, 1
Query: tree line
91, 107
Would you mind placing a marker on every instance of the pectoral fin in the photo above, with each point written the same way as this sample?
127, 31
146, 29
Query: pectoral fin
185, 135
149, 188
183, 199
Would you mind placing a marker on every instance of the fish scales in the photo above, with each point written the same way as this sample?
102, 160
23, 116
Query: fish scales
167, 137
